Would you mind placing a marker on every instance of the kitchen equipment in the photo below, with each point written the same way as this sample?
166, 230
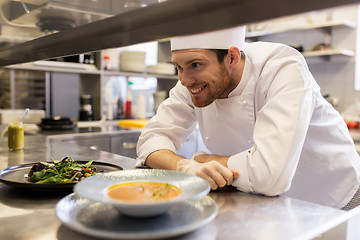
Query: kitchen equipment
86, 110
24, 115
56, 123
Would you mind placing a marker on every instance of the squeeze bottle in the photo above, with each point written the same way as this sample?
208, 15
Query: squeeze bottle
141, 107
128, 102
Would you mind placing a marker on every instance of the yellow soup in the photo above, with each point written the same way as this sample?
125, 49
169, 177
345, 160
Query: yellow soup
143, 192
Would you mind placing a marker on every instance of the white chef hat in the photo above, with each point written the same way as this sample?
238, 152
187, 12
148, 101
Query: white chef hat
222, 39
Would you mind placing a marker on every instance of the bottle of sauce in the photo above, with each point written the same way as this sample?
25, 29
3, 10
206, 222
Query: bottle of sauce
15, 136
141, 107
120, 108
107, 63
128, 102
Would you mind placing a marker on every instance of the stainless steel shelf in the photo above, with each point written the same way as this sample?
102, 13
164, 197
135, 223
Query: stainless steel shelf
139, 74
329, 52
51, 66
156, 22
327, 25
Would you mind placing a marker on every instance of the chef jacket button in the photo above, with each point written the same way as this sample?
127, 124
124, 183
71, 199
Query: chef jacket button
207, 138
243, 102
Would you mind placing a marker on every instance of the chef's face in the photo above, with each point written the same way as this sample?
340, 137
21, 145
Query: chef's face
201, 73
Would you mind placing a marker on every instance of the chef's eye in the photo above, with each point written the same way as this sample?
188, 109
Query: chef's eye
195, 65
179, 68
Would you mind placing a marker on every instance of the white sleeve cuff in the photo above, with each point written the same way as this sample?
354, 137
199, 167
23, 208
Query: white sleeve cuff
150, 146
238, 163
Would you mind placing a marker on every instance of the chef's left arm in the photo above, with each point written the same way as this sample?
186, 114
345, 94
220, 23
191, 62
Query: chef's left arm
279, 133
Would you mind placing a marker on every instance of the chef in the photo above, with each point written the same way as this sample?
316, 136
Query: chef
262, 117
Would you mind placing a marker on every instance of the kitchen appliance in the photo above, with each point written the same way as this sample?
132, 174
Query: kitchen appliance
56, 123
86, 111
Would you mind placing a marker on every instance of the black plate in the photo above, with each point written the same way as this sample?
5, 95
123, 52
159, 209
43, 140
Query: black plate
14, 177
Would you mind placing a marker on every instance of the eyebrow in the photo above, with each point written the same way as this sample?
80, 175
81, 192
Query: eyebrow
189, 62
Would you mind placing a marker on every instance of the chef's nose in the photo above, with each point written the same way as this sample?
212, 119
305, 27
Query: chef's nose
185, 78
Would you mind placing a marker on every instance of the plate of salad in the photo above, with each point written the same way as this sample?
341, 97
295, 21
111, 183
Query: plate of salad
53, 175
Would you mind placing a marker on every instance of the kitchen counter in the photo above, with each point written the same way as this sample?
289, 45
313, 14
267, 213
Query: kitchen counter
105, 136
79, 129
31, 215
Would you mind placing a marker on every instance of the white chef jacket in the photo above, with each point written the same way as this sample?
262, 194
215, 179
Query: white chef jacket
281, 135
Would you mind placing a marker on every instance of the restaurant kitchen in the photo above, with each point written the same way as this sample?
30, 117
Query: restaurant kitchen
54, 88
56, 85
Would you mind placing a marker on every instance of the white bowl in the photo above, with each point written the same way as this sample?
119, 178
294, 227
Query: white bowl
95, 188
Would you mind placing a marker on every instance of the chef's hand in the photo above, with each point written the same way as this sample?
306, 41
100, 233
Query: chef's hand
215, 173
203, 157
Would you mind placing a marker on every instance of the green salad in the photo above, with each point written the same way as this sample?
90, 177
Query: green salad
66, 170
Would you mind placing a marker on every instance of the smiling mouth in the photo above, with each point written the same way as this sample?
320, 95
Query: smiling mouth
196, 91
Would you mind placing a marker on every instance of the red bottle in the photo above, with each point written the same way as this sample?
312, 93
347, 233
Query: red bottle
128, 114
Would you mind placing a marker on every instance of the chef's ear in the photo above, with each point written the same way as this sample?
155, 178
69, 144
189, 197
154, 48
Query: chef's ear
234, 55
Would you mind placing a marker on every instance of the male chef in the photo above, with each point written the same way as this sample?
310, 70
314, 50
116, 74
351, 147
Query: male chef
262, 117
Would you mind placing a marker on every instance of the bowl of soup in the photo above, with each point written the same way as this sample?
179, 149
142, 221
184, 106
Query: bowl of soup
142, 192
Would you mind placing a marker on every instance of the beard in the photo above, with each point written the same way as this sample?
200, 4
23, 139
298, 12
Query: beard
216, 89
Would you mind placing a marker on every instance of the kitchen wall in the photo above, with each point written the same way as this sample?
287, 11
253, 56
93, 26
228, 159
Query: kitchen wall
335, 74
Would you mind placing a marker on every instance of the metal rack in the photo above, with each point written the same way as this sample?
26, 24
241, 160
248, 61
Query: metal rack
157, 22
21, 89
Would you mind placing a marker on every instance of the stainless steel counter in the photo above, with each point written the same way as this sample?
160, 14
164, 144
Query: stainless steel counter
31, 215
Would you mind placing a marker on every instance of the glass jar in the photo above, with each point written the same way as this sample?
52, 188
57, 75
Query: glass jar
15, 136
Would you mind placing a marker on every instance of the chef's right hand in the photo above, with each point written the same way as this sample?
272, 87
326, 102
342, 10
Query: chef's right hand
215, 173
